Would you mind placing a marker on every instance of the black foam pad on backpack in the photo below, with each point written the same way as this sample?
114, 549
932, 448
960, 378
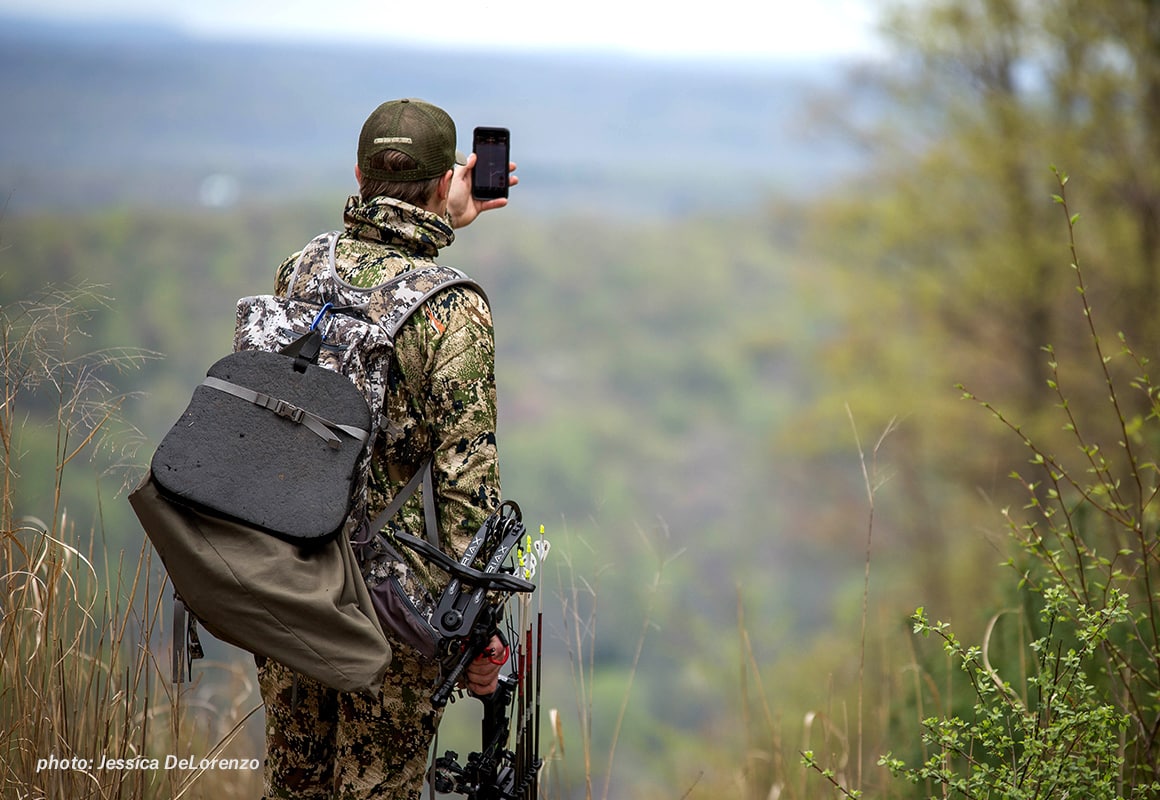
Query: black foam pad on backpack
249, 463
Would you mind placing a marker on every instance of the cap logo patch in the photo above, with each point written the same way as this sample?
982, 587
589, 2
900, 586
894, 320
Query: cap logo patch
394, 140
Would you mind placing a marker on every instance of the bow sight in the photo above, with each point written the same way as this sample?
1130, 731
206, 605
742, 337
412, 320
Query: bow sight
471, 610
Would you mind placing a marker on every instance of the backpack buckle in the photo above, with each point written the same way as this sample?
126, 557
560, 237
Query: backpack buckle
288, 410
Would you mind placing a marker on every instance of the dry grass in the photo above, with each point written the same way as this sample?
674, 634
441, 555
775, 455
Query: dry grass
86, 707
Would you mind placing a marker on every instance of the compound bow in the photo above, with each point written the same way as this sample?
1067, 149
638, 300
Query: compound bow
470, 611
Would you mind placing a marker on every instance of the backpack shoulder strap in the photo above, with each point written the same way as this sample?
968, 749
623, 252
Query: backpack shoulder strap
390, 305
401, 296
424, 476
318, 251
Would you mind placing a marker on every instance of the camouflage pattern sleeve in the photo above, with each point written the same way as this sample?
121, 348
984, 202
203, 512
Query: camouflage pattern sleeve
446, 356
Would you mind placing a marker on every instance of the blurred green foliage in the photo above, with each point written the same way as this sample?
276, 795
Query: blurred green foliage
659, 390
648, 377
702, 384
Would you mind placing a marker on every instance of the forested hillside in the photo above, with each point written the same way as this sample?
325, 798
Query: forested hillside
721, 351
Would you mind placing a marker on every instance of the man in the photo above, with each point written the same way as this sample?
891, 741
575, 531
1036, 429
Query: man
414, 189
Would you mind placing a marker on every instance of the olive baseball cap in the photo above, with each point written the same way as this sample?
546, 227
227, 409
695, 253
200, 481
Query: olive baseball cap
422, 131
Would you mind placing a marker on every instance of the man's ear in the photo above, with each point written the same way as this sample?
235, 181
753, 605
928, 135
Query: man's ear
444, 189
358, 174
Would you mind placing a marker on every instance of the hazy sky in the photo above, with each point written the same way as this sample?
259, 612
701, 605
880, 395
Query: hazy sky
731, 28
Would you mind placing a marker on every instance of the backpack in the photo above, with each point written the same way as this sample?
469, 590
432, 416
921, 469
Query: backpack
253, 496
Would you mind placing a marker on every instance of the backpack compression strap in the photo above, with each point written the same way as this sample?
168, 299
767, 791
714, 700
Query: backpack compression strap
424, 476
305, 351
321, 426
186, 643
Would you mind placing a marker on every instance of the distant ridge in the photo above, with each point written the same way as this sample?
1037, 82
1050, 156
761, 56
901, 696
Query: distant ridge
129, 114
26, 29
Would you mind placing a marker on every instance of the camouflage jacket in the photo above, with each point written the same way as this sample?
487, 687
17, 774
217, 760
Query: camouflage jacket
441, 397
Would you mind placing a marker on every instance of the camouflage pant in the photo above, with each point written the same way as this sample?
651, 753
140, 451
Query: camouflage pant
343, 746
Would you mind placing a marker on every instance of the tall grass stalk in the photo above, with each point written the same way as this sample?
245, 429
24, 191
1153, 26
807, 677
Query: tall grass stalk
752, 787
579, 601
85, 703
872, 482
834, 773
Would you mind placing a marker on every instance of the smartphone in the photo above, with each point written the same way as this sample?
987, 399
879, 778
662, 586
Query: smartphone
492, 147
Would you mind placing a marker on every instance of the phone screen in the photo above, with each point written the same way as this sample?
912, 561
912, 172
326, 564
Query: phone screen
492, 152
